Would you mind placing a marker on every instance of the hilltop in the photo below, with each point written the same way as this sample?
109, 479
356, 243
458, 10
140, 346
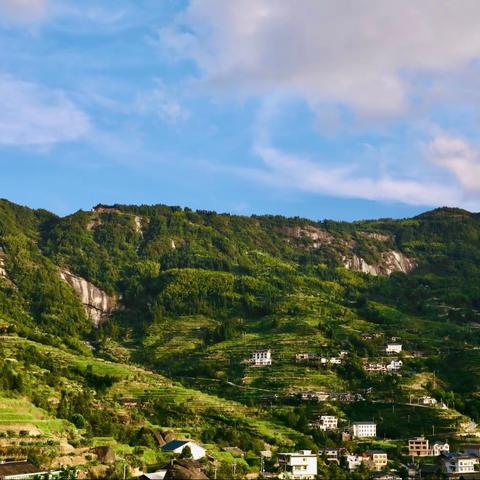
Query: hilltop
163, 306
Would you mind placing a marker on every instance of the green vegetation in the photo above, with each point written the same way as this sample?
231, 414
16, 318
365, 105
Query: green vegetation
201, 291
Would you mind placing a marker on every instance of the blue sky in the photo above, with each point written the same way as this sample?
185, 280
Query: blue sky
327, 109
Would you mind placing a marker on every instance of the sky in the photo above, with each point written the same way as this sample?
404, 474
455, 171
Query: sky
343, 109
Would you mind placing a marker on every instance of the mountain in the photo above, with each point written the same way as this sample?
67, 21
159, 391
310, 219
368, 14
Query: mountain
165, 305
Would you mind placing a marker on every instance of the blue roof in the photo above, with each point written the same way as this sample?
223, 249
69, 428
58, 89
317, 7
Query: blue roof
174, 444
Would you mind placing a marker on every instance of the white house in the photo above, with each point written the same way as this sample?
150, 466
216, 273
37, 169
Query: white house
439, 448
354, 461
177, 446
394, 365
325, 422
335, 361
261, 358
301, 465
459, 463
364, 429
393, 348
427, 401
329, 422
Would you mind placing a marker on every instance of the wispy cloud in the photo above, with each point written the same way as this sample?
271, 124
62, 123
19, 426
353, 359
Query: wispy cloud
35, 116
24, 10
291, 171
459, 157
161, 102
362, 54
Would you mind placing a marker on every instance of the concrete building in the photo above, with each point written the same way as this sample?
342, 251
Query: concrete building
440, 448
456, 463
301, 465
394, 365
261, 358
364, 429
418, 447
354, 461
378, 459
393, 348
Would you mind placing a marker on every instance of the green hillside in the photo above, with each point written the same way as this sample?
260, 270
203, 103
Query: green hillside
197, 292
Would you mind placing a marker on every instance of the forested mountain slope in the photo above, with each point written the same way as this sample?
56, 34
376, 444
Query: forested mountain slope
191, 294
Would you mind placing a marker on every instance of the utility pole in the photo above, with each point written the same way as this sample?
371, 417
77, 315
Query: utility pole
124, 471
234, 468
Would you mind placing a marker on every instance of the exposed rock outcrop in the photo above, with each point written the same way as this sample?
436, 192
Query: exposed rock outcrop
98, 304
3, 271
381, 237
317, 236
390, 262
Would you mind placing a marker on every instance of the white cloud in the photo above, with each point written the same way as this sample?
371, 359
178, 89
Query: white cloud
460, 158
33, 115
162, 103
24, 10
359, 53
291, 171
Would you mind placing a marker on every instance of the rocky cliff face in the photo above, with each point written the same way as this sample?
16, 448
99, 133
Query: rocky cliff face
3, 271
315, 236
390, 262
98, 304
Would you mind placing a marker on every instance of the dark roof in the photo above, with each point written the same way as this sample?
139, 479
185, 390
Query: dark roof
173, 445
16, 468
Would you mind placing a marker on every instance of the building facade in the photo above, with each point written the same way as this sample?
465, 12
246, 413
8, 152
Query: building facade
393, 348
364, 430
300, 465
261, 358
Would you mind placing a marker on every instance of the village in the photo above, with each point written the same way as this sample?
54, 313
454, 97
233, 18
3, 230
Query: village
357, 442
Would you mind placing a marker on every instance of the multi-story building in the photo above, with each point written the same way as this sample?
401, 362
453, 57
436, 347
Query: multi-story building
329, 422
364, 429
457, 463
393, 348
261, 358
418, 447
301, 465
378, 459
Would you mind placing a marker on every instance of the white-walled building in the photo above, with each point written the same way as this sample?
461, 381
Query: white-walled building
427, 401
354, 461
329, 422
177, 446
440, 448
460, 463
261, 358
394, 365
325, 422
301, 465
393, 348
364, 429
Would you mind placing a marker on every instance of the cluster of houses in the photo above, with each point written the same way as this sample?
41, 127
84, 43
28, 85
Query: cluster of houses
314, 358
345, 397
302, 465
263, 358
380, 367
